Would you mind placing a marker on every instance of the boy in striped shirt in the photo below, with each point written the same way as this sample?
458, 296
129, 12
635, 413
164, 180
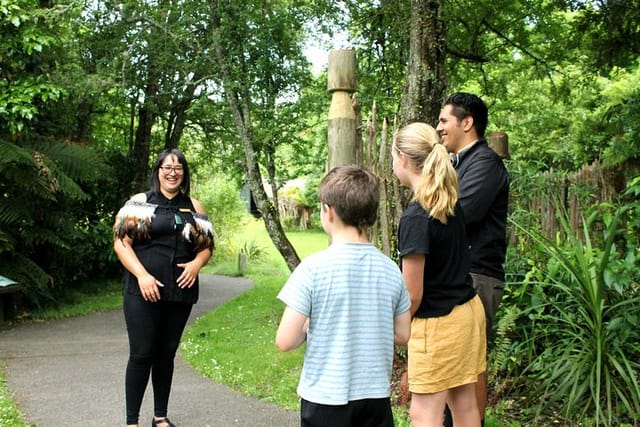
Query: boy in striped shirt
350, 303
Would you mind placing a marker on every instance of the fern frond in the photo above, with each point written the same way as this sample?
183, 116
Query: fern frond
78, 162
7, 242
10, 214
20, 174
13, 153
34, 280
502, 344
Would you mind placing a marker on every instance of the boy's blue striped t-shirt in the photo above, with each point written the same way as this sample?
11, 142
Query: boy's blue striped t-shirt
351, 293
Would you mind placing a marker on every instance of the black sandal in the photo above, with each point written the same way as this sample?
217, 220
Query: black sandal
165, 420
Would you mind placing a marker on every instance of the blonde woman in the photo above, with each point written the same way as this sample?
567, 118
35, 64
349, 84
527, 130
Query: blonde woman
447, 347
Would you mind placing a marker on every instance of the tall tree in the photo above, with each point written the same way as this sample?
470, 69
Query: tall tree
426, 78
258, 55
45, 174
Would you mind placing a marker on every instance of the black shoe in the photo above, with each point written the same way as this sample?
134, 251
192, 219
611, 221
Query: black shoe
165, 420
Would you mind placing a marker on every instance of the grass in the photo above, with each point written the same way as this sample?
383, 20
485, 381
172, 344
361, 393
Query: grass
234, 345
9, 413
91, 298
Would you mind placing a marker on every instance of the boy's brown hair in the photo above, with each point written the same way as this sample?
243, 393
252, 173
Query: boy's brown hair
354, 194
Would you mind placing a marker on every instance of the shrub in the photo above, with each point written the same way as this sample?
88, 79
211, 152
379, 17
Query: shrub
579, 347
226, 209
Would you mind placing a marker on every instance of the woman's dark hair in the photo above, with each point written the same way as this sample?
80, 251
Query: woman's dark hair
467, 104
154, 181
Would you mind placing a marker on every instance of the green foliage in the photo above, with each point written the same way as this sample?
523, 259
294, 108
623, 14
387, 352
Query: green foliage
609, 31
581, 340
380, 32
252, 250
52, 224
89, 297
53, 234
293, 193
500, 353
618, 113
221, 199
27, 33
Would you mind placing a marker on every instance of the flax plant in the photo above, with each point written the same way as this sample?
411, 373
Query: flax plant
586, 362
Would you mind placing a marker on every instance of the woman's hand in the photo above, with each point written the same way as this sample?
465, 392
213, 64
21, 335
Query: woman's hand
191, 269
147, 284
189, 275
149, 288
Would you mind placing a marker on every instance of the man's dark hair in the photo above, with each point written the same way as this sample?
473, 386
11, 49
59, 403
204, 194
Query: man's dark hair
354, 193
467, 104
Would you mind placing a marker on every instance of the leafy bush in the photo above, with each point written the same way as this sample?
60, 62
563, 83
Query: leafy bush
578, 341
52, 231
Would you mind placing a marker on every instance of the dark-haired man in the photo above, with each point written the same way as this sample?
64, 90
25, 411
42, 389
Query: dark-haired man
484, 196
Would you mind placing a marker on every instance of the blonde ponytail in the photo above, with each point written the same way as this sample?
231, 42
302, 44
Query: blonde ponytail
437, 189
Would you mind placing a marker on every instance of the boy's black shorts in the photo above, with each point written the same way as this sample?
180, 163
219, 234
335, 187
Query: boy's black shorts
356, 413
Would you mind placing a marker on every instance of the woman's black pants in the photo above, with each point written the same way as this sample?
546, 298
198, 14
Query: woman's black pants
154, 329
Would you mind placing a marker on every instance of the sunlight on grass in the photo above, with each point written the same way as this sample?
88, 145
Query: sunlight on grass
234, 345
305, 242
254, 235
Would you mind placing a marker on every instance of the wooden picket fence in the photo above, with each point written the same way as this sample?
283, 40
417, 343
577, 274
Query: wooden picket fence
573, 193
376, 157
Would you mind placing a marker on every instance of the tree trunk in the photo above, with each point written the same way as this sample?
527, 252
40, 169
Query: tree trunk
426, 74
178, 118
142, 142
267, 208
238, 99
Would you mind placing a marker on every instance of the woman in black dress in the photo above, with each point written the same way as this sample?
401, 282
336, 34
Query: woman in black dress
162, 238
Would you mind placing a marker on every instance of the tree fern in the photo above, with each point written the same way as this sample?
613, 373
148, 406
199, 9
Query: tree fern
29, 274
41, 190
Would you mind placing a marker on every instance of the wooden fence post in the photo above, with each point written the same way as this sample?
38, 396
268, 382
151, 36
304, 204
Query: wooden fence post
499, 142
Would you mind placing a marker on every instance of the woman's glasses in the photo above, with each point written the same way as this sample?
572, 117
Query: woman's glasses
168, 168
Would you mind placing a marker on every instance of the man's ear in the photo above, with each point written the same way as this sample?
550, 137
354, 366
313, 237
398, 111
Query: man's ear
467, 123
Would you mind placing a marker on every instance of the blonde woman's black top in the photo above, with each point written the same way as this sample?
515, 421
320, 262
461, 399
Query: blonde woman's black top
446, 280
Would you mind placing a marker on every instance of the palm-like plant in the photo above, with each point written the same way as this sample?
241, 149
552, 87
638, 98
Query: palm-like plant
585, 327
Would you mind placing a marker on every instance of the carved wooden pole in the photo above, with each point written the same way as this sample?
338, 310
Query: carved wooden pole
342, 118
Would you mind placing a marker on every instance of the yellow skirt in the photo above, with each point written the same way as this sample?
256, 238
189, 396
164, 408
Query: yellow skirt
448, 351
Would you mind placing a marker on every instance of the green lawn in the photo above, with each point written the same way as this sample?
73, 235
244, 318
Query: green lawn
234, 344
9, 413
